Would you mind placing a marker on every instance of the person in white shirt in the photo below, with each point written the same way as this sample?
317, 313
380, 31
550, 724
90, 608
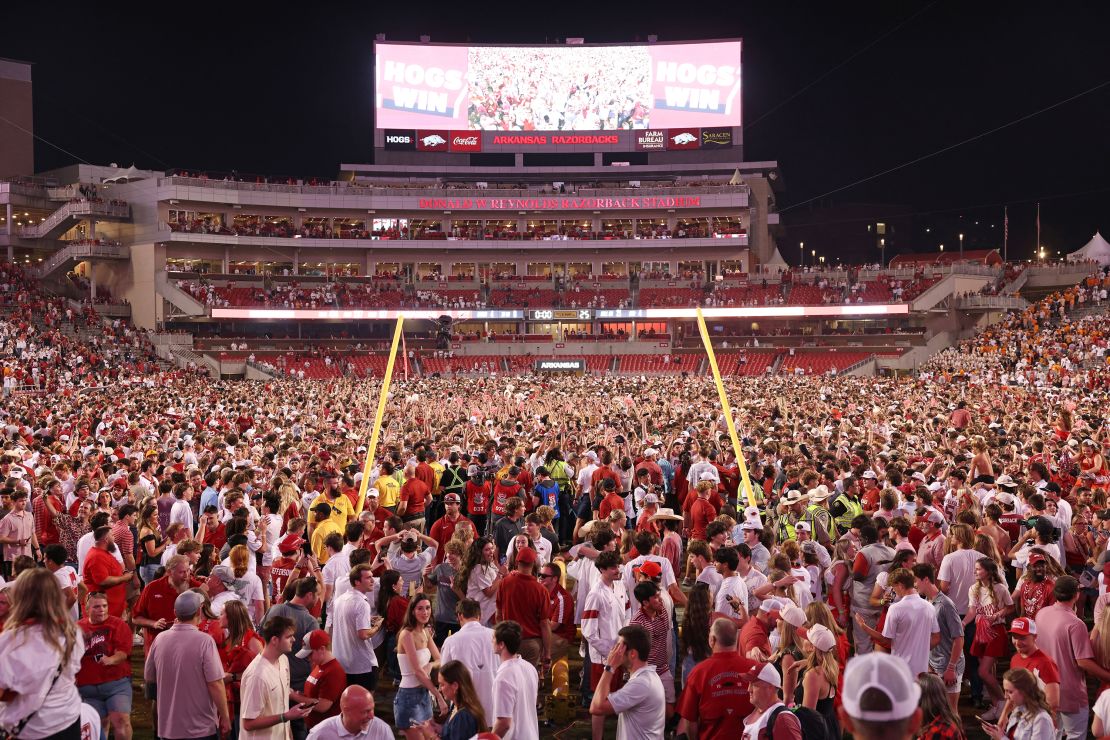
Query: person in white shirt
639, 704
264, 712
55, 559
472, 645
604, 615
355, 721
181, 513
731, 600
911, 629
515, 688
353, 627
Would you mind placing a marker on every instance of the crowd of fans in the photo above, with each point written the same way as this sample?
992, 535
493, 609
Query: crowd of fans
572, 89
907, 547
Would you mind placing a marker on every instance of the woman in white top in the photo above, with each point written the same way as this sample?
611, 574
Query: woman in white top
42, 651
1031, 716
480, 577
251, 592
417, 655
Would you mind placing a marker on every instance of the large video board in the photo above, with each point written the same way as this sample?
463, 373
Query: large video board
574, 88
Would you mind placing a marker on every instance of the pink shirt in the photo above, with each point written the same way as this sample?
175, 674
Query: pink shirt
1064, 638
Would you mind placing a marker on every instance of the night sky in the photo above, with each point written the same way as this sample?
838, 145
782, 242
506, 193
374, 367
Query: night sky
835, 93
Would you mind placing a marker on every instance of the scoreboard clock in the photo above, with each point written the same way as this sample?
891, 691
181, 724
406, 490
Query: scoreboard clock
561, 314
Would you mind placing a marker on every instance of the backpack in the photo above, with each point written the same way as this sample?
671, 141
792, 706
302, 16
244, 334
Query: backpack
814, 726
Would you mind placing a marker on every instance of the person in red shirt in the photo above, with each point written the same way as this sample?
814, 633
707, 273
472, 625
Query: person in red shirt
154, 612
444, 528
102, 572
327, 680
523, 600
104, 680
610, 499
415, 496
1023, 632
1035, 589
701, 511
45, 528
560, 610
504, 490
290, 566
215, 533
478, 495
715, 700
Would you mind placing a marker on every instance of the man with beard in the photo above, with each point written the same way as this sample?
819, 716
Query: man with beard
154, 611
1034, 591
102, 572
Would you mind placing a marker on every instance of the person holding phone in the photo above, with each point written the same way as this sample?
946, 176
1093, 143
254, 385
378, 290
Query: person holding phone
264, 691
1031, 716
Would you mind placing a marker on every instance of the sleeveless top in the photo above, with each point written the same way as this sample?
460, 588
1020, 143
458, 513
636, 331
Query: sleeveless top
826, 707
408, 677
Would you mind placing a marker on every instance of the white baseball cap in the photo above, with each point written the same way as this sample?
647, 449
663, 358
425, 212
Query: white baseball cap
884, 673
767, 674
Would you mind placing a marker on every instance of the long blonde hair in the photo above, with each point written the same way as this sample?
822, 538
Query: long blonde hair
36, 598
1101, 639
826, 663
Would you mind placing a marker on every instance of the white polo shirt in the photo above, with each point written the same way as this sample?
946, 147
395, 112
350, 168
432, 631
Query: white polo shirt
640, 706
514, 696
352, 613
472, 645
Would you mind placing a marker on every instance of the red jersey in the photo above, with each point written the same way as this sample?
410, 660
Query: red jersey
716, 696
1039, 664
444, 529
326, 681
560, 610
111, 636
217, 537
477, 498
505, 489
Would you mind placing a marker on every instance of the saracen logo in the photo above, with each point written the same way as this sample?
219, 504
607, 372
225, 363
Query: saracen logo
465, 141
721, 136
683, 138
395, 139
431, 141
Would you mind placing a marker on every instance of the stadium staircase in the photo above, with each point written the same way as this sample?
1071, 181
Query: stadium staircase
967, 279
76, 252
73, 212
1015, 285
175, 296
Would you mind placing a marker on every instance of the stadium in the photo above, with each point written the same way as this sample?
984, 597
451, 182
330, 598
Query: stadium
558, 266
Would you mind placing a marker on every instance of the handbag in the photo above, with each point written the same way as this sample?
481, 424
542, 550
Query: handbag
13, 734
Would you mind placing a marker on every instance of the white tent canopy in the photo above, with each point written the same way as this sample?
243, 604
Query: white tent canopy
1098, 250
131, 174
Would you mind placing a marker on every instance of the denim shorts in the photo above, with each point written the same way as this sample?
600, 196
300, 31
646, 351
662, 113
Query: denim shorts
113, 696
411, 705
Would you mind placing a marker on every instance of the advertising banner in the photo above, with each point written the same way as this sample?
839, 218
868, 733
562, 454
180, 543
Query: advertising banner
557, 88
432, 141
651, 140
683, 138
465, 141
716, 137
400, 140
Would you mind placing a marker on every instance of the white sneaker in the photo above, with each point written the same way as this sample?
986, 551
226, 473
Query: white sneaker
994, 712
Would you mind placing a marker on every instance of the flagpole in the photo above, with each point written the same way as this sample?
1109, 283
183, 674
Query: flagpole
1037, 246
1005, 233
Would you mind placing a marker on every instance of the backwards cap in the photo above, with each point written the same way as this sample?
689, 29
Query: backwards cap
884, 673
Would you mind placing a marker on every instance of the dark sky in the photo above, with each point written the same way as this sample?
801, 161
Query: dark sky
285, 90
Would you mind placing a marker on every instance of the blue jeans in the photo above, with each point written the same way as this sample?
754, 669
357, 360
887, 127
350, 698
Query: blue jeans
411, 706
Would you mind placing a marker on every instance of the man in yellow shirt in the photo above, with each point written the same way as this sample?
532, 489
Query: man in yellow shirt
341, 509
323, 525
389, 490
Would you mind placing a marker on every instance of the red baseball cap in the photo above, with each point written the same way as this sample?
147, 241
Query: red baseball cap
526, 555
1036, 558
1023, 626
649, 568
289, 543
314, 640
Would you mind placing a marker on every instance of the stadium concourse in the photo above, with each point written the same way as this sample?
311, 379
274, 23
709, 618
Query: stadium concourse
536, 554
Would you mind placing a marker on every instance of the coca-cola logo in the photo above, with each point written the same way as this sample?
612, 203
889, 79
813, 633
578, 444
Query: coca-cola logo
465, 142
